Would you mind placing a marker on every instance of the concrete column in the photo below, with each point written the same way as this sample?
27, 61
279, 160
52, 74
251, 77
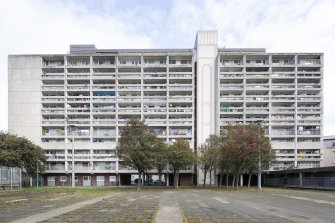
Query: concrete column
206, 92
300, 180
241, 180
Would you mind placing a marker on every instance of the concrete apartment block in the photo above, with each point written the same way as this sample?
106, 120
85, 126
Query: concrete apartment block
88, 94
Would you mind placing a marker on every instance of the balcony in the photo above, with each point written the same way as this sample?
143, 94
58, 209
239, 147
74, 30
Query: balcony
78, 87
129, 63
154, 98
180, 132
154, 109
183, 122
289, 132
109, 167
231, 62
231, 86
129, 88
180, 62
230, 109
103, 122
259, 62
53, 122
181, 109
78, 75
283, 62
78, 63
154, 75
79, 168
308, 62
150, 121
154, 87
104, 63
129, 110
103, 109
181, 98
180, 76
55, 167
52, 87
78, 121
53, 76
181, 87
56, 156
129, 76
308, 132
53, 63
53, 111
133, 99
154, 63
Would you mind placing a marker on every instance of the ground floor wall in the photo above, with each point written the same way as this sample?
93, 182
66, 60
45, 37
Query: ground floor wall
316, 178
110, 179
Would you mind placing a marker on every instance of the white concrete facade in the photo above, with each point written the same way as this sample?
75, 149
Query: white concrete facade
328, 151
181, 93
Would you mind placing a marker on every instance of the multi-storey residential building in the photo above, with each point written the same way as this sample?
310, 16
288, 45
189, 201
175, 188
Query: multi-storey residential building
328, 152
85, 97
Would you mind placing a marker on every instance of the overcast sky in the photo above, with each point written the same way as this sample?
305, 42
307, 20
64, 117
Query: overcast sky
42, 26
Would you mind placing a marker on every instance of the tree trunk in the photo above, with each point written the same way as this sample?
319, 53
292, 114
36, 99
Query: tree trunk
227, 179
210, 178
237, 181
139, 181
205, 175
143, 179
221, 177
233, 183
249, 180
176, 179
160, 178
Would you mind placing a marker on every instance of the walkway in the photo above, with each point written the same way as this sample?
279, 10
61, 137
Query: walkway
168, 209
53, 213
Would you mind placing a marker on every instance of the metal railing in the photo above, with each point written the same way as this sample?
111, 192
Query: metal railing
10, 177
305, 182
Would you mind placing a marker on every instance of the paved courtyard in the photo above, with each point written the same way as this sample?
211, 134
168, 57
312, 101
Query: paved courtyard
167, 205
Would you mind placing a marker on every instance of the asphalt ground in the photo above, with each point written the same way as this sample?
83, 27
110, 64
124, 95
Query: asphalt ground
168, 205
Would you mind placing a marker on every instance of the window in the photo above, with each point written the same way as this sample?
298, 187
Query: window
333, 156
112, 178
87, 178
63, 178
75, 178
51, 178
100, 178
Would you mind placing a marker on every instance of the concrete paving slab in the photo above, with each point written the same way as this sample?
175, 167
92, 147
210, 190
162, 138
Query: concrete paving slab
168, 209
49, 214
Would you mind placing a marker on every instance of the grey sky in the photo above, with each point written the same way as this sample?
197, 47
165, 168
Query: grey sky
40, 26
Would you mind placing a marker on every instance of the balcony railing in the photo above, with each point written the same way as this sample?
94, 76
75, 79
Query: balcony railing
55, 167
308, 132
104, 63
53, 63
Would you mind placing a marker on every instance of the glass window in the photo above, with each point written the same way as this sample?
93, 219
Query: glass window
100, 178
63, 178
51, 178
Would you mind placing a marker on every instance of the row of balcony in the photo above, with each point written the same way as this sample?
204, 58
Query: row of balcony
276, 62
121, 62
